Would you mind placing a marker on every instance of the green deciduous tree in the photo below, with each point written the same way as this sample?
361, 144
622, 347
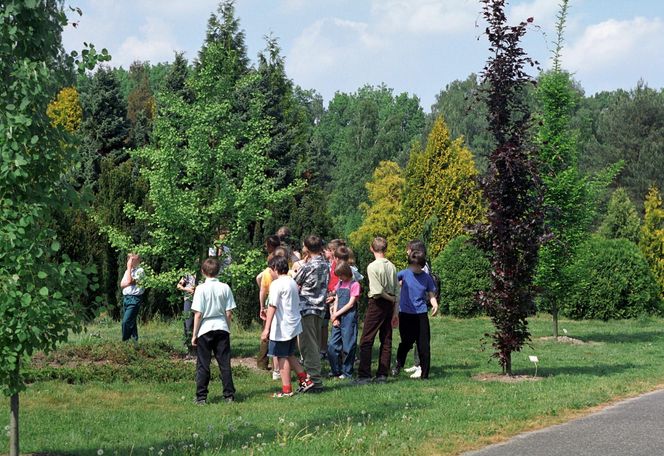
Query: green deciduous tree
570, 196
441, 195
40, 289
652, 235
359, 131
622, 219
65, 110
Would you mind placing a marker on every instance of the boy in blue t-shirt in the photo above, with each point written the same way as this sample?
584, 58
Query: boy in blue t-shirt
417, 288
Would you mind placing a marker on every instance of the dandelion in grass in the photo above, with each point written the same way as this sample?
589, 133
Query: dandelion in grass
291, 424
194, 435
7, 428
259, 435
383, 434
100, 452
206, 444
281, 420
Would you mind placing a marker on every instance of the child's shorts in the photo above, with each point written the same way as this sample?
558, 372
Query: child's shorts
282, 348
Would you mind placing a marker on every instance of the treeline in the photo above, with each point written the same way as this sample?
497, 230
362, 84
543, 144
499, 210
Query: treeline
173, 154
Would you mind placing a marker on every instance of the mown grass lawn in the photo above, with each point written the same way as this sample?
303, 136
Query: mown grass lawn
130, 401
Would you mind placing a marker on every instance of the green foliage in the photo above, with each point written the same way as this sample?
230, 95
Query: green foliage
40, 288
464, 272
358, 131
610, 279
629, 127
140, 105
382, 216
441, 188
652, 235
621, 219
462, 106
570, 196
105, 126
65, 111
176, 78
209, 169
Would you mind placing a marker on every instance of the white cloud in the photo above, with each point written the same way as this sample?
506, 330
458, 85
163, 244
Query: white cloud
614, 44
543, 12
155, 44
425, 16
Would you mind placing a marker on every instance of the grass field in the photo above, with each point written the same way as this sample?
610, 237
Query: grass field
111, 398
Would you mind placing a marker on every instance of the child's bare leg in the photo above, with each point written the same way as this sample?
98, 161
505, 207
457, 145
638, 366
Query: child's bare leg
295, 364
284, 370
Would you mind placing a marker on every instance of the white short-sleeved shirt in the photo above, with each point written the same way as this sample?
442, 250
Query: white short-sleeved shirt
285, 296
212, 299
135, 289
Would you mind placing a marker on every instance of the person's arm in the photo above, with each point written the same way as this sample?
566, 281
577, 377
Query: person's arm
271, 310
395, 312
346, 308
127, 279
259, 279
434, 303
197, 326
180, 285
229, 317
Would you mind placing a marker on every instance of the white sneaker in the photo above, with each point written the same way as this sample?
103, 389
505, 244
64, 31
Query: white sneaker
276, 375
410, 370
417, 373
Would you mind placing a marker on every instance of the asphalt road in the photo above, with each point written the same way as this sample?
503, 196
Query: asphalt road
634, 427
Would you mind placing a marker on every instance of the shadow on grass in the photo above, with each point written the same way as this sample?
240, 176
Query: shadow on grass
233, 434
598, 370
624, 338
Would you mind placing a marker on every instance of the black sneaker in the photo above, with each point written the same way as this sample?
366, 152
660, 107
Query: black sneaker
380, 379
362, 381
200, 402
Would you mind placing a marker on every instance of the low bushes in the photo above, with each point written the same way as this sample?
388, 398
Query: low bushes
610, 279
464, 271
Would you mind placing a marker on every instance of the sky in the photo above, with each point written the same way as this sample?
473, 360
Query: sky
414, 46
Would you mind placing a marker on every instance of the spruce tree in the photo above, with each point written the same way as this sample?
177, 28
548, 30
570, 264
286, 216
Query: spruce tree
176, 78
140, 105
441, 189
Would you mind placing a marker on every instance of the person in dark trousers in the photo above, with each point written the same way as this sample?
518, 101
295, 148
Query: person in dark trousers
132, 296
381, 314
417, 288
212, 306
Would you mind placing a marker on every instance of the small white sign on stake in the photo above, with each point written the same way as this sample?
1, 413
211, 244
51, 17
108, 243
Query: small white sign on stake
534, 359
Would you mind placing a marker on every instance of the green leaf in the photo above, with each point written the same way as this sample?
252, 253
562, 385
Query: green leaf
55, 246
43, 291
42, 275
34, 139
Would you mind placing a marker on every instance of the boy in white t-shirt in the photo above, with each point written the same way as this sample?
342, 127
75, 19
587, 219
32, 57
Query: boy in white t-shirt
212, 305
282, 326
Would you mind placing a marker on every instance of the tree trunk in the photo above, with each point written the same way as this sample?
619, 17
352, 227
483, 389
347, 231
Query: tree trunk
554, 314
507, 369
13, 426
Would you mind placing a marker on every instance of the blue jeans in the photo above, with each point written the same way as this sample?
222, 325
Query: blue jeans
132, 305
343, 344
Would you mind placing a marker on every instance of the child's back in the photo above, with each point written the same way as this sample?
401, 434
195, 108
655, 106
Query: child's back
284, 295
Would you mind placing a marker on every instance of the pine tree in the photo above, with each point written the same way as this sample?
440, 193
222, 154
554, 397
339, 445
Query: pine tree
652, 235
140, 105
176, 79
382, 214
441, 189
622, 219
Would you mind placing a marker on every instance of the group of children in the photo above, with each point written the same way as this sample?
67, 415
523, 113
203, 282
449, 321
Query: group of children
300, 293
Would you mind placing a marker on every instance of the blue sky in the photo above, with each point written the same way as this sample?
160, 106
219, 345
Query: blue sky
415, 46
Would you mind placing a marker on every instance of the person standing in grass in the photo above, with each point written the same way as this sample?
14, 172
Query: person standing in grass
381, 314
343, 341
263, 280
212, 306
132, 296
312, 278
187, 285
417, 288
283, 323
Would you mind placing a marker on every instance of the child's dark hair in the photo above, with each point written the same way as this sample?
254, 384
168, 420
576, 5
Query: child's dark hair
313, 243
343, 270
284, 234
379, 244
279, 264
417, 257
334, 244
344, 253
272, 241
211, 267
416, 244
281, 251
